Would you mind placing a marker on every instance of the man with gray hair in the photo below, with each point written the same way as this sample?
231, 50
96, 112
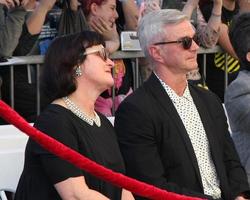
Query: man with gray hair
173, 134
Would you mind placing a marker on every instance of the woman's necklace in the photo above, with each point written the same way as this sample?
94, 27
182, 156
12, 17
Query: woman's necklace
76, 110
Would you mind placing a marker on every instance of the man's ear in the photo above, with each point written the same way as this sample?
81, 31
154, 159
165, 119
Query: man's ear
248, 56
93, 8
155, 53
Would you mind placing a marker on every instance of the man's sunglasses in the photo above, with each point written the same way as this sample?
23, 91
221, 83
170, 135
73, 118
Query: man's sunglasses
102, 52
185, 41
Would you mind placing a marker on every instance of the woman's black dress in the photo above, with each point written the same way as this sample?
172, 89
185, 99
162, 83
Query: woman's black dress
42, 169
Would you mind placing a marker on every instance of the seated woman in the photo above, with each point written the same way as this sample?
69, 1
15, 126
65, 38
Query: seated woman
75, 72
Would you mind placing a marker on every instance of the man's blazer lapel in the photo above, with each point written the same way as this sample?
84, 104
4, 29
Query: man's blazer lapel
154, 87
208, 126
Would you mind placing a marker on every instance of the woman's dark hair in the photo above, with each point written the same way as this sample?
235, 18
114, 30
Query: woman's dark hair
239, 34
63, 55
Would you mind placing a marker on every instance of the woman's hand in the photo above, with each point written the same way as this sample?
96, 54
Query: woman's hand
76, 188
127, 195
108, 31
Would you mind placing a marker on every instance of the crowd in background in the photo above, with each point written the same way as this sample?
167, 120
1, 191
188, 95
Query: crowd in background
28, 27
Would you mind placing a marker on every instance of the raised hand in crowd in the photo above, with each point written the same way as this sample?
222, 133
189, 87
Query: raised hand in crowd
148, 6
189, 7
74, 4
13, 3
37, 18
131, 14
224, 41
152, 5
23, 2
108, 30
244, 6
8, 3
207, 32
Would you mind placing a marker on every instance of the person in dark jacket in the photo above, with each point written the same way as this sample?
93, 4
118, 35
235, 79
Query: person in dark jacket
173, 134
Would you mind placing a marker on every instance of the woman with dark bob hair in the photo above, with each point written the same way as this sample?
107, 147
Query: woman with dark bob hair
75, 72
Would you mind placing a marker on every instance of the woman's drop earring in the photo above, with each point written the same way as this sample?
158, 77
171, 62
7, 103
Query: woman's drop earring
78, 71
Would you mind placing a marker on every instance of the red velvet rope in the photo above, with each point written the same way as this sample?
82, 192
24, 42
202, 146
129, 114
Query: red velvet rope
62, 151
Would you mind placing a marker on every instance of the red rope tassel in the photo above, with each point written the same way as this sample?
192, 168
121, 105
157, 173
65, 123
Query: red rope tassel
64, 152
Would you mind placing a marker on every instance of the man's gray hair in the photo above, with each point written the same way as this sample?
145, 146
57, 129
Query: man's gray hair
151, 28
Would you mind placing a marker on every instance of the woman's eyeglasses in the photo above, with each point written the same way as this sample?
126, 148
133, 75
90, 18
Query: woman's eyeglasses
185, 41
102, 52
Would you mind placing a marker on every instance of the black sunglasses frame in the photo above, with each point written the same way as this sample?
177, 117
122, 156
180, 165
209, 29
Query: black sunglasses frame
185, 41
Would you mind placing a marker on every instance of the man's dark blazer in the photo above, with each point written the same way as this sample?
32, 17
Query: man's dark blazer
157, 149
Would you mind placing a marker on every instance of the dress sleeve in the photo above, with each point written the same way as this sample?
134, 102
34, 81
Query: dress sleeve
60, 128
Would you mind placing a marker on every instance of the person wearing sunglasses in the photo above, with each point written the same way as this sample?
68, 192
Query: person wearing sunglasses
172, 133
76, 71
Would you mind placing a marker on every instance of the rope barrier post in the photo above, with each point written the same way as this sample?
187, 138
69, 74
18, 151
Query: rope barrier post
204, 76
1, 82
133, 73
29, 74
12, 86
226, 72
113, 95
38, 95
137, 72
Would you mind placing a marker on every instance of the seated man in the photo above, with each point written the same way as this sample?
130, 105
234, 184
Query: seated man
173, 134
237, 96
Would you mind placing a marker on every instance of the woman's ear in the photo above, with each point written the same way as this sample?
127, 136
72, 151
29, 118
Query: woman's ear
248, 56
94, 9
